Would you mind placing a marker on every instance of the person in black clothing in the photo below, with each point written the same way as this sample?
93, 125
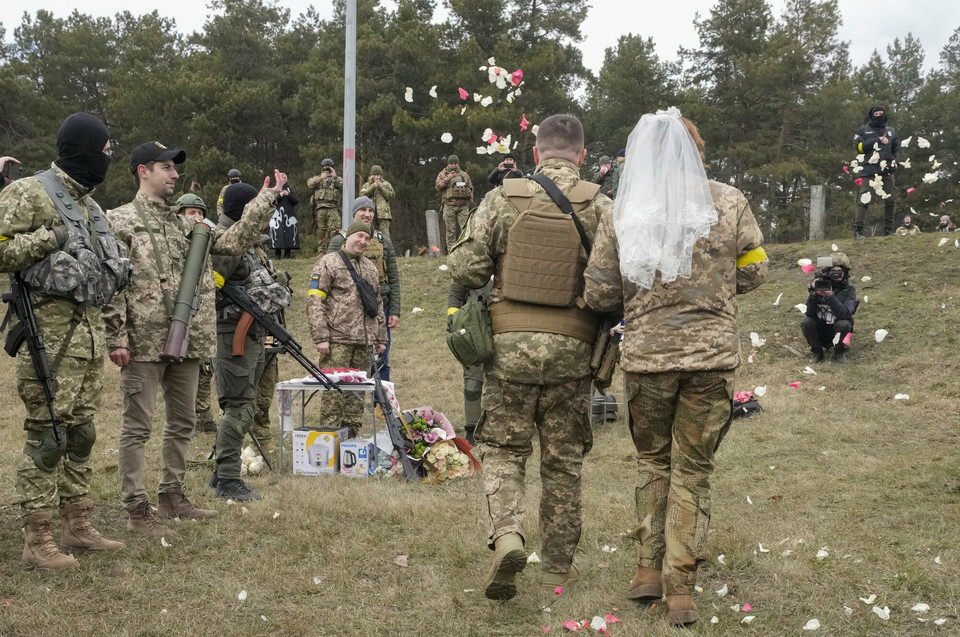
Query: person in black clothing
284, 231
506, 170
880, 147
830, 309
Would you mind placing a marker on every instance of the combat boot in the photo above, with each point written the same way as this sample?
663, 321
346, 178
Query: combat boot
816, 355
552, 581
236, 490
176, 505
143, 521
509, 558
840, 355
78, 531
647, 584
469, 429
39, 549
681, 610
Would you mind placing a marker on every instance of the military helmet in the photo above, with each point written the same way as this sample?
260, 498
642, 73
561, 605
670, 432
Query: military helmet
327, 162
233, 172
841, 259
190, 201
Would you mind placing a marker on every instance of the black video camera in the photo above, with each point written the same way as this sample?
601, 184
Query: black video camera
12, 171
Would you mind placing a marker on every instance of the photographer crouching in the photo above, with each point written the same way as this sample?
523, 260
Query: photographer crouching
830, 308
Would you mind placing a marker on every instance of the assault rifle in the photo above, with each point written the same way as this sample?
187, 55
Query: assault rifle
281, 337
19, 303
401, 444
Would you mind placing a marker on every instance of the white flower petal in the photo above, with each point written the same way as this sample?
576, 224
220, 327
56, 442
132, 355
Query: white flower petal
802, 307
242, 596
533, 558
433, 91
879, 335
748, 619
443, 267
868, 600
760, 391
755, 340
922, 143
487, 101
722, 559
937, 560
762, 550
810, 370
416, 309
813, 624
882, 613
929, 178
777, 302
920, 607
317, 581
164, 543
906, 143
822, 554
835, 248
865, 198
714, 620
902, 397
749, 501
847, 611
276, 514
446, 138
941, 621
722, 592
408, 95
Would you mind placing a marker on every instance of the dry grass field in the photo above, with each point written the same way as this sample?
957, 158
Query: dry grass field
836, 467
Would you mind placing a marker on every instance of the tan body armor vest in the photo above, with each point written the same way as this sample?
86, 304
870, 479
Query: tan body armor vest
541, 275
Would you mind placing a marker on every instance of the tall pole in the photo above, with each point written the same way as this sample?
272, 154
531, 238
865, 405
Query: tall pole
349, 112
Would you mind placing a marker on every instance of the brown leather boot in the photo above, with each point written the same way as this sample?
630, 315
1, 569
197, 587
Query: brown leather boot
509, 558
143, 521
681, 610
176, 505
647, 584
39, 549
78, 531
551, 581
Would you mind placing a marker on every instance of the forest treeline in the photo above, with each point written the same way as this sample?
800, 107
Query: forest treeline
776, 97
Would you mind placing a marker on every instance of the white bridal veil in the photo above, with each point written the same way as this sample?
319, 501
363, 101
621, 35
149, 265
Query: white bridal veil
663, 204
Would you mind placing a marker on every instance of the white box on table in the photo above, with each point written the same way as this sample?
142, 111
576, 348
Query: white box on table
316, 452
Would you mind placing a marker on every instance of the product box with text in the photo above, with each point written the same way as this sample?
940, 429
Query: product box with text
317, 451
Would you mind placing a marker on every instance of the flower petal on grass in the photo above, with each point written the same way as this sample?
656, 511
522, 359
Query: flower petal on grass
164, 543
722, 559
795, 384
755, 340
597, 623
401, 561
747, 608
802, 307
880, 334
611, 619
882, 613
835, 248
558, 590
937, 560
868, 600
813, 624
941, 621
866, 197
714, 620
910, 191
487, 101
760, 391
822, 554
902, 397
722, 592
747, 619
242, 596
920, 607
810, 370
762, 550
571, 625
777, 302
443, 267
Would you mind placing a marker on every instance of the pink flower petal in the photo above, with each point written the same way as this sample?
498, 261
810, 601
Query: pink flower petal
558, 590
516, 77
746, 608
571, 625
545, 630
611, 619
848, 338
859, 180
808, 268
463, 94
523, 122
846, 169
794, 384
910, 190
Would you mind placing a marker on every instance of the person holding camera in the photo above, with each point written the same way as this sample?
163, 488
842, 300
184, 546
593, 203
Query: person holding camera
327, 202
605, 176
456, 195
830, 308
880, 147
507, 169
11, 170
380, 192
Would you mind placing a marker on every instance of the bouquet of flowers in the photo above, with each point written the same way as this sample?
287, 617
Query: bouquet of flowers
422, 434
445, 460
743, 396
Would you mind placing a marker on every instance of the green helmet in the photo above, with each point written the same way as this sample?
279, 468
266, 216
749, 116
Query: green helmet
191, 201
841, 259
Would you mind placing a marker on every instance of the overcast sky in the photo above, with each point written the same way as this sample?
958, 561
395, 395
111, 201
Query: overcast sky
867, 24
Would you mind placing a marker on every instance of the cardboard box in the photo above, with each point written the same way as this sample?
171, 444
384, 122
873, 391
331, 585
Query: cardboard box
356, 458
317, 452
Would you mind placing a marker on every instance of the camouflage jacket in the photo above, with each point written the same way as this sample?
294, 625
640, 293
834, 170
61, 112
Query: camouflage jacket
523, 357
27, 214
220, 199
381, 194
447, 182
254, 271
334, 309
137, 319
385, 261
328, 192
689, 324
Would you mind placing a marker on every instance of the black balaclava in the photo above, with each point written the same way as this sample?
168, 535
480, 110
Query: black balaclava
80, 143
235, 197
877, 122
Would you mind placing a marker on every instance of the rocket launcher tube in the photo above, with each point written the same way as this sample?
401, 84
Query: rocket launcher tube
188, 296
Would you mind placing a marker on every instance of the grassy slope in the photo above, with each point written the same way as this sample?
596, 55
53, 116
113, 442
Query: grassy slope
875, 481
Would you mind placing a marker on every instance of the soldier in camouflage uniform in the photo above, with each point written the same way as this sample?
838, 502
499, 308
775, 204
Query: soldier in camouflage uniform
539, 379
381, 253
341, 330
233, 177
137, 322
380, 192
238, 374
193, 207
51, 475
680, 352
456, 195
327, 201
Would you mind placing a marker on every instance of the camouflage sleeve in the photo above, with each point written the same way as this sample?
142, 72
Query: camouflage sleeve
373, 277
336, 242
242, 235
115, 313
471, 259
314, 181
24, 239
366, 189
386, 189
603, 283
469, 184
224, 266
751, 258
320, 278
339, 193
443, 178
393, 276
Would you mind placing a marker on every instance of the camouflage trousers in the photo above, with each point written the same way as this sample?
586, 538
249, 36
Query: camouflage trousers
455, 219
266, 391
677, 420
513, 414
76, 401
383, 225
346, 408
327, 221
237, 378
204, 415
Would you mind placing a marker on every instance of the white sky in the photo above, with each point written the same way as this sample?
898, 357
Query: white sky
867, 24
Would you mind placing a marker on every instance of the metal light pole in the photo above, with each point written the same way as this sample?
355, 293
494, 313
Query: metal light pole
349, 112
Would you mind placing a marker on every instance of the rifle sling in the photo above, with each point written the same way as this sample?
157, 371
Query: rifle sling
564, 204
164, 287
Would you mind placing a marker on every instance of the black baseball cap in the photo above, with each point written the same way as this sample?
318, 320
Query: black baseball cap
155, 151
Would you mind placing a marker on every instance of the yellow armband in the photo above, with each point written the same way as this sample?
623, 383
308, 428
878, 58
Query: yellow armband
756, 255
